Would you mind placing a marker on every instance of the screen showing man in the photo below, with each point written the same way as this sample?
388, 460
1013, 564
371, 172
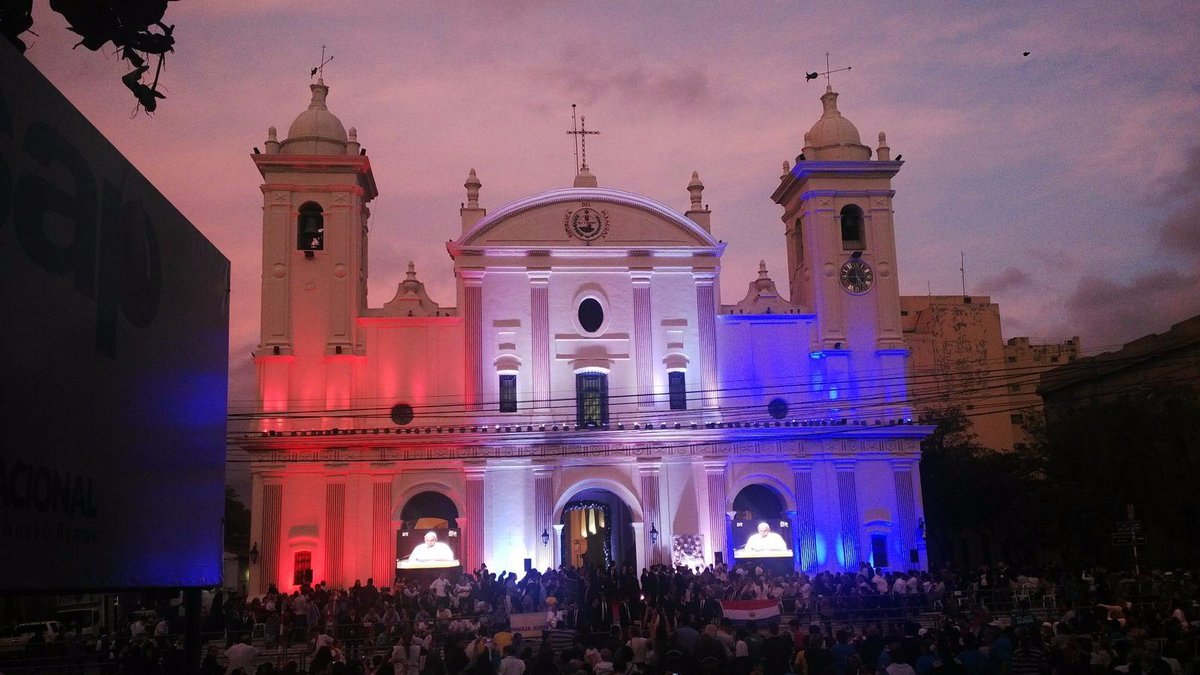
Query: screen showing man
765, 541
432, 551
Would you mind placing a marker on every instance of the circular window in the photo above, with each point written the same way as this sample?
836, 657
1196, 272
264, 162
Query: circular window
402, 413
591, 315
777, 408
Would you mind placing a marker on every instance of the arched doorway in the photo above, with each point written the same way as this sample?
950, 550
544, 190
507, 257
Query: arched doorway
428, 536
597, 530
760, 527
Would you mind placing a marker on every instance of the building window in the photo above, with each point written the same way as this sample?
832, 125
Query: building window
1014, 388
508, 393
302, 568
1010, 359
591, 399
676, 380
1053, 359
879, 551
1017, 418
591, 315
310, 228
402, 413
852, 228
777, 408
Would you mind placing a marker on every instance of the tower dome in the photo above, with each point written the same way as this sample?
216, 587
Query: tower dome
316, 131
834, 137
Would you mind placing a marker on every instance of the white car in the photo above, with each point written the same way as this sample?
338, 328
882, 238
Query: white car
18, 641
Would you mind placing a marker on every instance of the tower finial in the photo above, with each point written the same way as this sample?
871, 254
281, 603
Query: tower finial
411, 274
472, 186
696, 192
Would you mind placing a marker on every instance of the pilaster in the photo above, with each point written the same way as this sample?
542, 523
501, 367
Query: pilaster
906, 510
543, 507
848, 508
472, 285
714, 473
539, 303
473, 537
648, 474
272, 533
804, 525
706, 309
642, 337
383, 538
335, 530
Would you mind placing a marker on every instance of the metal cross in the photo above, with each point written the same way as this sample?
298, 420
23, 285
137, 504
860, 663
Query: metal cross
828, 71
581, 133
321, 68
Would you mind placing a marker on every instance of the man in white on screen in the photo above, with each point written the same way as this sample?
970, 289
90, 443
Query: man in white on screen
431, 550
765, 541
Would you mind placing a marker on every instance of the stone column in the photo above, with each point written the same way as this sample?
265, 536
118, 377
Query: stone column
642, 338
272, 533
848, 507
543, 506
558, 544
383, 537
906, 510
706, 309
472, 313
648, 472
639, 536
539, 304
714, 472
805, 525
475, 521
335, 531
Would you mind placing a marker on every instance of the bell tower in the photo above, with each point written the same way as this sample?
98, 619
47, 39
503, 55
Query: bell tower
317, 183
841, 251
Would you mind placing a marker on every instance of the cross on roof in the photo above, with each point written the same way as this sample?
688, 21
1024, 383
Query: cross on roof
581, 133
320, 69
826, 74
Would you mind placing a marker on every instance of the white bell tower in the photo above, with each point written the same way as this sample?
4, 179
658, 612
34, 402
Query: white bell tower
841, 248
316, 186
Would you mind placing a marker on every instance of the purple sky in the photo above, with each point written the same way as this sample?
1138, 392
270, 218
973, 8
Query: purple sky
1070, 178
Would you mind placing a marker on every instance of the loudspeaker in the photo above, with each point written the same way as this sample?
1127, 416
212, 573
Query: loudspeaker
718, 557
529, 564
914, 556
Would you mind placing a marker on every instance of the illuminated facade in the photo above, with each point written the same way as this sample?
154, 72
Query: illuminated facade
588, 397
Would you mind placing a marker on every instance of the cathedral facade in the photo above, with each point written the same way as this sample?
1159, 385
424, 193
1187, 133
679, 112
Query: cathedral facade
587, 399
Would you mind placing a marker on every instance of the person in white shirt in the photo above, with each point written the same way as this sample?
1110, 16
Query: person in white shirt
510, 664
441, 585
431, 550
241, 655
765, 541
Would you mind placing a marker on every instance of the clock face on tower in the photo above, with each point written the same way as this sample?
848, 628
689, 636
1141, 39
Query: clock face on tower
857, 277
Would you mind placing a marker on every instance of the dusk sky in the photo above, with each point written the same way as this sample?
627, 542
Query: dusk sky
1070, 178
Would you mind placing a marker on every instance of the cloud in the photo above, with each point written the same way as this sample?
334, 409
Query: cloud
682, 86
1009, 279
1112, 313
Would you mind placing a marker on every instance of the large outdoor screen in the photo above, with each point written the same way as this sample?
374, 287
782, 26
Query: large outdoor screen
115, 353
762, 538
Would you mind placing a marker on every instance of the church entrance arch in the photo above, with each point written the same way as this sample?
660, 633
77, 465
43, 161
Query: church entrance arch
760, 528
597, 529
428, 537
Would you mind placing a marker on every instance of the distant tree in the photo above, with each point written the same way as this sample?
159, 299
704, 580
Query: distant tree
237, 523
134, 27
971, 491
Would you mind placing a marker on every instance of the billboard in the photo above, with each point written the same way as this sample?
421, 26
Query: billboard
114, 361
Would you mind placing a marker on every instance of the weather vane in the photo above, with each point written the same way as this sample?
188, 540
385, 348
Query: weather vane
581, 133
321, 68
827, 73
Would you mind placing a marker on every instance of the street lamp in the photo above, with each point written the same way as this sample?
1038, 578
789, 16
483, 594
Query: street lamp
545, 537
653, 533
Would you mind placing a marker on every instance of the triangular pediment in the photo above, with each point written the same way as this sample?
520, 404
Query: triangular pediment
573, 217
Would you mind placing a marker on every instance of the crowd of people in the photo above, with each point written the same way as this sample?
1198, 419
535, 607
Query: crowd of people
990, 621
